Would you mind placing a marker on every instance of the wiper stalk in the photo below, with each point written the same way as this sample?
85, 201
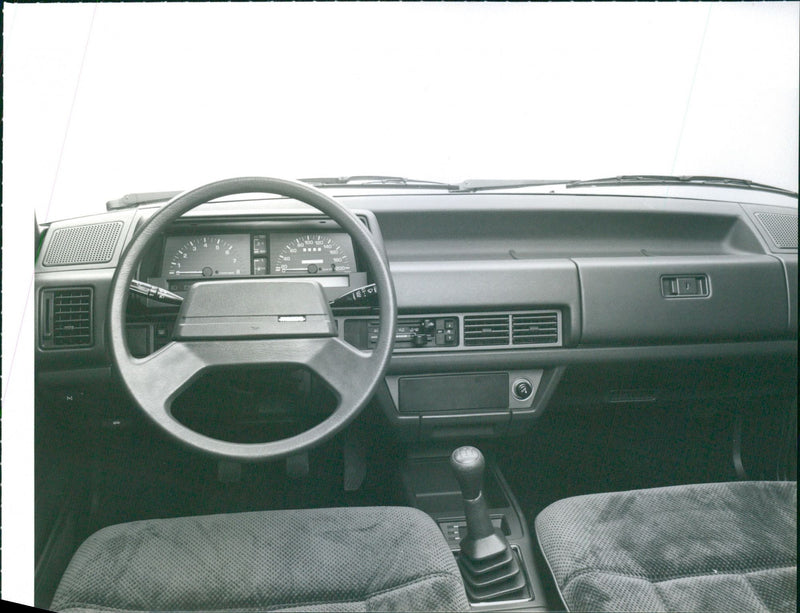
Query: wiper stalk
153, 292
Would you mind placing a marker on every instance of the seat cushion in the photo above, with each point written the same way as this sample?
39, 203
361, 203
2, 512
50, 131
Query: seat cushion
712, 547
343, 559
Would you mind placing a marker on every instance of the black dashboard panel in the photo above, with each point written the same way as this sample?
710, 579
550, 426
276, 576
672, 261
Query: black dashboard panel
603, 265
488, 284
523, 227
624, 301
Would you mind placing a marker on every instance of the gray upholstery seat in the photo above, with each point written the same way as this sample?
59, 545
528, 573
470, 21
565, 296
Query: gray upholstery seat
344, 559
713, 547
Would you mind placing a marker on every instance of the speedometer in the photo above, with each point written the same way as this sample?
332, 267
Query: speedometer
312, 254
207, 256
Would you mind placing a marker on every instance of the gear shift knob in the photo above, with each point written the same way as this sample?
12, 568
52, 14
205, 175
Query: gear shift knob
487, 564
468, 466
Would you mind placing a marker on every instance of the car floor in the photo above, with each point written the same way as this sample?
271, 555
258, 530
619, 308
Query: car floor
130, 485
603, 450
576, 453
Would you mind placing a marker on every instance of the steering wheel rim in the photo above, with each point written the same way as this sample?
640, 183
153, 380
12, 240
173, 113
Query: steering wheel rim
188, 360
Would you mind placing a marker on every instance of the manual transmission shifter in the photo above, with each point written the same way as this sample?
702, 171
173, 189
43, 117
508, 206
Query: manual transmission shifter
469, 466
488, 565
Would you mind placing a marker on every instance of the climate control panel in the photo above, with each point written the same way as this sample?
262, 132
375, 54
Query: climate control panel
412, 332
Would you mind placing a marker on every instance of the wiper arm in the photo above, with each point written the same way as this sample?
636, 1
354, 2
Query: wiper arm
128, 201
375, 181
711, 181
479, 185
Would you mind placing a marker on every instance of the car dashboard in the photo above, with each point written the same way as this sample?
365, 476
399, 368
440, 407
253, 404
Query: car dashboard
498, 295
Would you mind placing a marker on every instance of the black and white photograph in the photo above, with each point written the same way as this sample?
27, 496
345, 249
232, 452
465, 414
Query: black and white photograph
400, 306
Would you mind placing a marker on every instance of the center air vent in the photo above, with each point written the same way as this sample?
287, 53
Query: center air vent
504, 329
66, 318
486, 330
539, 328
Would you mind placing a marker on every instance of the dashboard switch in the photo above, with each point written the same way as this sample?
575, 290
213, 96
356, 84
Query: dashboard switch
420, 340
522, 389
687, 286
259, 266
259, 244
428, 326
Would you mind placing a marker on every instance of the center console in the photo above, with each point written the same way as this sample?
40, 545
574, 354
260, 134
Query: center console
483, 524
432, 406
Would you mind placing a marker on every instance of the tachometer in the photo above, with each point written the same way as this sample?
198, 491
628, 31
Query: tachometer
312, 254
206, 256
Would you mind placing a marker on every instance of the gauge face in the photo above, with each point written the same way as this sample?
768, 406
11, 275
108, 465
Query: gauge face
206, 256
312, 254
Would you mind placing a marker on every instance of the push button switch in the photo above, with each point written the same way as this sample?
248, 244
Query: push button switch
522, 389
688, 286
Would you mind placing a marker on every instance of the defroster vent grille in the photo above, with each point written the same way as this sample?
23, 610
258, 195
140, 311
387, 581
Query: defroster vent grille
89, 244
66, 318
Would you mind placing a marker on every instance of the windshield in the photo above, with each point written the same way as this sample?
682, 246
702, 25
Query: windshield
101, 100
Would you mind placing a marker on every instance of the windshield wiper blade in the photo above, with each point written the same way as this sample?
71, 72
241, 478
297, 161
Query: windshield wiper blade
478, 185
711, 181
128, 201
375, 181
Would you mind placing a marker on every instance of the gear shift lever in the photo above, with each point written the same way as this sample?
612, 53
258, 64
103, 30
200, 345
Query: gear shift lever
482, 540
488, 566
469, 467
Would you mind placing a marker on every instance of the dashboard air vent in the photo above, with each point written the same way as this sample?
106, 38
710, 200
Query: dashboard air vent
486, 330
781, 228
538, 328
66, 318
88, 244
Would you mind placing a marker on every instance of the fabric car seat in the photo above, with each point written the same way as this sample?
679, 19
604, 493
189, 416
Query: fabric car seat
712, 547
340, 559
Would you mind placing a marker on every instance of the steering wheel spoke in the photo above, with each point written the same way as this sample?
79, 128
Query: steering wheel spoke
161, 376
342, 367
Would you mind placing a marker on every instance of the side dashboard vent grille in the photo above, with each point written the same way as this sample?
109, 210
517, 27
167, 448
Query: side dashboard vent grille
66, 318
540, 328
486, 330
89, 244
781, 228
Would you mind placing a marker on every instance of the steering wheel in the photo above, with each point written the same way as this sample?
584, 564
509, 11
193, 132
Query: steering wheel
156, 380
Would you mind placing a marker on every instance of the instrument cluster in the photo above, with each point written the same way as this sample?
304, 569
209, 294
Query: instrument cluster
189, 258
